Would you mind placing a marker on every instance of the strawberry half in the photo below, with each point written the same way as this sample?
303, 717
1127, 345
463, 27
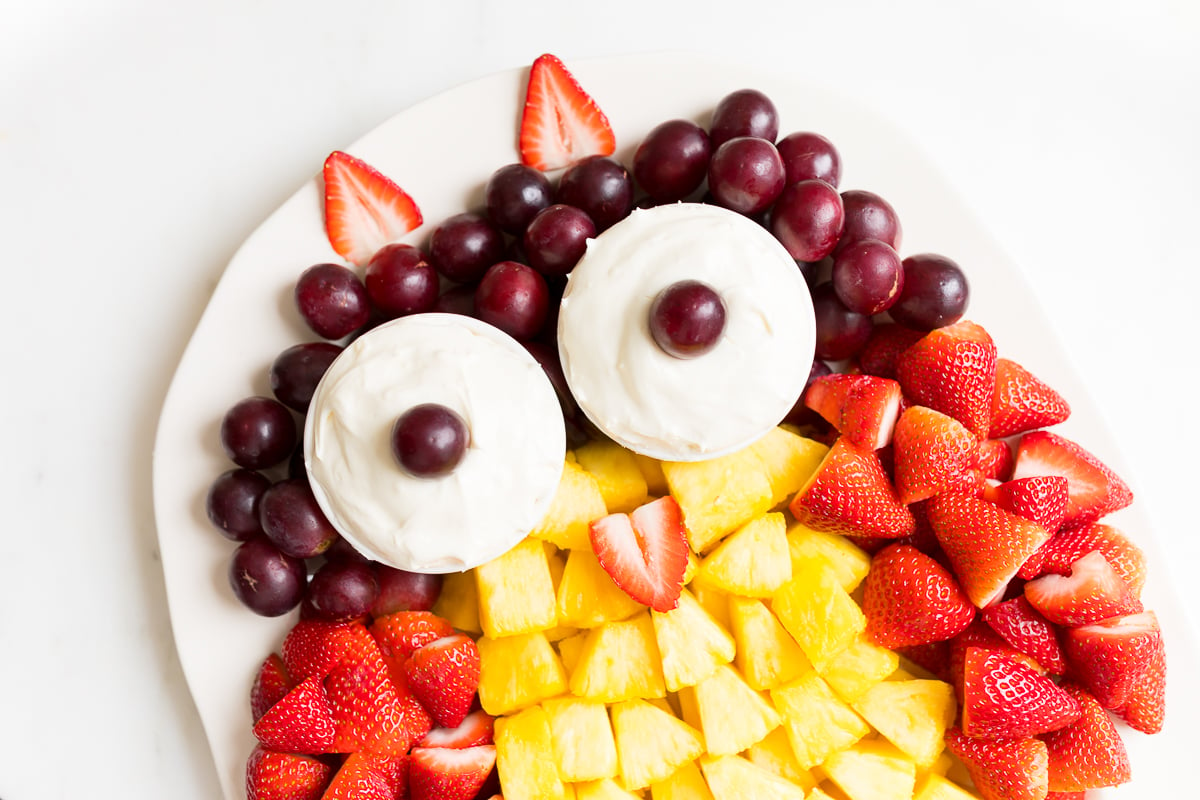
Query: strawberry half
1067, 546
1022, 403
401, 633
301, 722
1042, 499
560, 123
1003, 769
981, 635
1145, 704
1091, 592
1020, 624
443, 676
863, 408
994, 459
883, 348
850, 494
909, 599
314, 646
931, 452
371, 711
364, 209
1089, 753
439, 773
1093, 489
645, 552
369, 776
271, 683
1004, 699
476, 729
1109, 658
952, 370
285, 776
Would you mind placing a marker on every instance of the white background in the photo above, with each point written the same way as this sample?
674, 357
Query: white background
140, 142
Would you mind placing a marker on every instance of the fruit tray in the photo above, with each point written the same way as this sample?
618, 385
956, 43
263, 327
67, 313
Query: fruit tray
442, 150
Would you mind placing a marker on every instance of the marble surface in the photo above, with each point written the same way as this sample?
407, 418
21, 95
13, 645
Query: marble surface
141, 142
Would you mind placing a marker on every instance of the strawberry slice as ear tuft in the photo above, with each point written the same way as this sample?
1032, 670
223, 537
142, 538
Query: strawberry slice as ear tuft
645, 552
364, 209
560, 123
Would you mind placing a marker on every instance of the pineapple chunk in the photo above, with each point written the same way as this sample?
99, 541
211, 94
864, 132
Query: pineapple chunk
692, 644
686, 783
718, 495
754, 560
871, 770
819, 794
689, 709
617, 474
569, 650
735, 778
816, 721
714, 600
587, 595
518, 671
620, 661
774, 754
913, 715
818, 613
525, 756
577, 502
859, 667
458, 602
606, 789
516, 591
789, 460
651, 744
652, 471
732, 715
849, 561
767, 655
583, 739
935, 787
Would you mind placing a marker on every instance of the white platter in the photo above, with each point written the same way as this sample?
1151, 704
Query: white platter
441, 151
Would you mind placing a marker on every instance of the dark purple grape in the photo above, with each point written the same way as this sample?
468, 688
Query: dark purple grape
557, 238
429, 440
746, 112
232, 503
808, 156
343, 589
515, 194
935, 293
258, 432
400, 281
514, 298
672, 161
400, 590
342, 549
296, 372
457, 300
807, 219
745, 175
266, 581
464, 246
800, 413
869, 216
296, 467
293, 521
841, 333
332, 301
687, 319
867, 276
601, 187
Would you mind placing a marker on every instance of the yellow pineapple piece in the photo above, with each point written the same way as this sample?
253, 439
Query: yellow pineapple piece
849, 561
714, 600
719, 494
617, 474
689, 709
518, 671
516, 591
941, 765
606, 789
818, 613
587, 595
859, 667
774, 754
619, 661
767, 655
583, 739
686, 783
652, 471
789, 460
692, 644
816, 721
913, 715
525, 756
754, 560
871, 770
569, 650
819, 794
936, 787
736, 778
458, 602
732, 715
577, 501
693, 566
651, 744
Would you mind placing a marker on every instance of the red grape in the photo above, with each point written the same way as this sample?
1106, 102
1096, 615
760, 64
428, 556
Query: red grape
557, 238
687, 318
601, 187
935, 293
258, 432
841, 333
232, 503
332, 301
807, 219
293, 521
514, 298
429, 440
266, 581
809, 155
400, 281
672, 161
296, 372
867, 276
745, 175
400, 590
746, 112
869, 216
514, 194
464, 246
343, 589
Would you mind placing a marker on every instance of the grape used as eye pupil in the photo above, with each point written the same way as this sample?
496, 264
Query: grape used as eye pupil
429, 440
687, 319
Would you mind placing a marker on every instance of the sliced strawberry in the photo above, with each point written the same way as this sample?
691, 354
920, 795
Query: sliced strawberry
923, 538
1003, 769
1066, 796
863, 408
980, 635
439, 773
986, 545
644, 552
1005, 699
476, 729
932, 452
1067, 546
560, 123
1145, 704
995, 459
1042, 499
1093, 489
1020, 624
364, 210
370, 776
910, 599
271, 683
952, 370
1091, 592
1109, 658
301, 722
1089, 753
314, 646
850, 494
401, 633
285, 776
371, 711
887, 342
443, 675
1022, 403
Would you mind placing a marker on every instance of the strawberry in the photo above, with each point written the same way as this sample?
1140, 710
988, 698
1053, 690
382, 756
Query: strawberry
1066, 796
1003, 769
369, 776
440, 773
1042, 498
1020, 624
284, 776
364, 210
981, 635
1091, 592
314, 646
644, 552
952, 370
931, 453
862, 408
1109, 658
271, 683
301, 722
1093, 489
1145, 704
475, 729
850, 494
994, 459
371, 711
560, 123
1004, 699
934, 658
443, 675
1022, 403
401, 633
1066, 547
1089, 753
910, 599
886, 343
986, 545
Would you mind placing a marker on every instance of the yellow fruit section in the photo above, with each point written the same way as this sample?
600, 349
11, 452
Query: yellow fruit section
719, 495
583, 739
576, 503
691, 643
753, 561
617, 473
516, 592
